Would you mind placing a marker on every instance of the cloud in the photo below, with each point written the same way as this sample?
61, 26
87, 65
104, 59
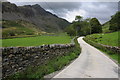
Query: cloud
70, 16
68, 10
101, 10
61, 5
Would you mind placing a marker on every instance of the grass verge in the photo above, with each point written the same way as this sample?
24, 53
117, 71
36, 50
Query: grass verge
111, 54
38, 72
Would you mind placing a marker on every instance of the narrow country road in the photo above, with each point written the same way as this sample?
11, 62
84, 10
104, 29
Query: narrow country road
90, 64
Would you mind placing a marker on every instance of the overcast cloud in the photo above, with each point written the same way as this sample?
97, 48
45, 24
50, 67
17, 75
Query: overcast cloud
68, 10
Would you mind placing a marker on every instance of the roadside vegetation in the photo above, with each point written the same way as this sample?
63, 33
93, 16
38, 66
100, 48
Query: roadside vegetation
36, 41
55, 64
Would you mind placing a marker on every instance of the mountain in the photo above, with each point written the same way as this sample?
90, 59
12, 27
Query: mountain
113, 24
33, 14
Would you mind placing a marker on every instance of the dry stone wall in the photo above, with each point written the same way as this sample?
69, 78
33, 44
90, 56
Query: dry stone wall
112, 48
15, 59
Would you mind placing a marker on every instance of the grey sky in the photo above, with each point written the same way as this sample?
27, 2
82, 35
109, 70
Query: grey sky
68, 10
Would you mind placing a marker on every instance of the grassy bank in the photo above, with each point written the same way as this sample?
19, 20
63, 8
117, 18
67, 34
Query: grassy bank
35, 41
52, 65
110, 39
111, 54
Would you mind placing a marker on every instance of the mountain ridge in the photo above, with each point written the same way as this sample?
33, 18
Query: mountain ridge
34, 14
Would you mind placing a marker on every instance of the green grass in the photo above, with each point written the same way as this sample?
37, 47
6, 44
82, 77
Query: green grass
110, 39
105, 28
52, 65
35, 41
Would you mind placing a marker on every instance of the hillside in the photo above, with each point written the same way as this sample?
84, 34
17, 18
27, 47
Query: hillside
105, 27
34, 14
110, 39
19, 28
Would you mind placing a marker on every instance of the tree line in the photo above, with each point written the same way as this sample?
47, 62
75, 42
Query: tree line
82, 27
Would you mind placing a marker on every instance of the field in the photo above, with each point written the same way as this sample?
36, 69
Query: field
35, 41
110, 39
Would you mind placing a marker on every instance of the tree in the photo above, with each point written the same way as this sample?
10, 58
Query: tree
79, 27
115, 22
70, 30
78, 18
85, 27
95, 26
88, 26
87, 20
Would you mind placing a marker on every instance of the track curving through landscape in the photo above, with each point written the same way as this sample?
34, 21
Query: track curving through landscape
91, 63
